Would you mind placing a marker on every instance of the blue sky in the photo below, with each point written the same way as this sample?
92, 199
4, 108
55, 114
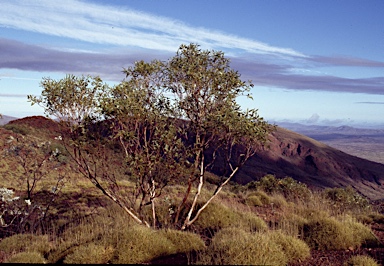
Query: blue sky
313, 62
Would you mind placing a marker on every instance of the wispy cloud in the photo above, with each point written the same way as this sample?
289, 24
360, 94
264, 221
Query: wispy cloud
119, 26
369, 102
13, 95
346, 61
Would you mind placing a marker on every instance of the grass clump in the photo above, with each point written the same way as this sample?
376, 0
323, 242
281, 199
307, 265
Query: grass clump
183, 241
234, 246
294, 248
27, 257
218, 216
139, 244
26, 243
361, 260
90, 254
363, 234
328, 233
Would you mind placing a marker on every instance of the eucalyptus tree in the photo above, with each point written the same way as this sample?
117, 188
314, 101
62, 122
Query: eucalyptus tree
205, 90
173, 121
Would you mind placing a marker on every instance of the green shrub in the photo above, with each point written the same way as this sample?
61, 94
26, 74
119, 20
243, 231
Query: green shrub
330, 234
20, 129
27, 257
346, 199
26, 242
361, 260
90, 254
289, 187
233, 246
294, 248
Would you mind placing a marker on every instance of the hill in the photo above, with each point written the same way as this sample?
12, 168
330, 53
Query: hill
314, 163
289, 154
367, 143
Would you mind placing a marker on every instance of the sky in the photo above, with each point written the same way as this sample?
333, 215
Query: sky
312, 62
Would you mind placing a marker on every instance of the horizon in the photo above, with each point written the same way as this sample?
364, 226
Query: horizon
317, 63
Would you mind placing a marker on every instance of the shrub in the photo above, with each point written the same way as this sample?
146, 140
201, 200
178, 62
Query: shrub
291, 189
20, 129
27, 257
233, 246
346, 199
90, 254
361, 260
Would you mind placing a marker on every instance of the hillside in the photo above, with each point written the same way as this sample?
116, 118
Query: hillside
314, 163
289, 154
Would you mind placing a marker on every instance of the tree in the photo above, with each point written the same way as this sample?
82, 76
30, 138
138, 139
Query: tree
205, 90
173, 120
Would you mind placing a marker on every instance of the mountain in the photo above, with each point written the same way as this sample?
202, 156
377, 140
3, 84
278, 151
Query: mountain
288, 154
313, 163
4, 119
361, 142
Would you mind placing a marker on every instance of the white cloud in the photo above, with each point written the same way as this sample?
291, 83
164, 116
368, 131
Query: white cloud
120, 26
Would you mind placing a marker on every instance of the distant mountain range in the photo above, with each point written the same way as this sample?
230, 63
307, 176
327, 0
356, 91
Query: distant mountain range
6, 119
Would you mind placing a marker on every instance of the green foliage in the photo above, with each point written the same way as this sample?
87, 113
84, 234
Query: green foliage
27, 257
361, 260
290, 188
72, 99
20, 129
346, 199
